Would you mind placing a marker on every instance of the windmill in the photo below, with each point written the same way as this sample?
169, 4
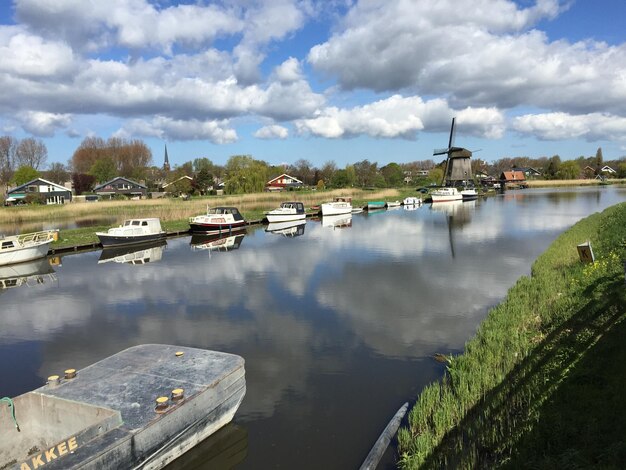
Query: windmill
458, 166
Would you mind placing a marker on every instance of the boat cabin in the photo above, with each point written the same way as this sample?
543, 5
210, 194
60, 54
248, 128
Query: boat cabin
298, 206
152, 225
225, 210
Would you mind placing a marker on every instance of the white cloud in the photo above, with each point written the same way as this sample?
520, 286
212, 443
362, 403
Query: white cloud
403, 117
475, 53
166, 128
43, 124
560, 126
272, 132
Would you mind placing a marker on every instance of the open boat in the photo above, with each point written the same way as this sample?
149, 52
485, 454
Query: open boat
340, 205
25, 247
218, 220
373, 205
140, 408
286, 212
393, 204
132, 231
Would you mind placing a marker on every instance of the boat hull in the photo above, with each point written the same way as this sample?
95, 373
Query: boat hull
278, 217
210, 229
24, 254
335, 209
122, 240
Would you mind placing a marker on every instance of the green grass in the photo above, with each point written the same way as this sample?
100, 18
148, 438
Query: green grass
544, 370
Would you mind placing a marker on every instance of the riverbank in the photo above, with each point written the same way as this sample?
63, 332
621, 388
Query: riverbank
578, 182
540, 384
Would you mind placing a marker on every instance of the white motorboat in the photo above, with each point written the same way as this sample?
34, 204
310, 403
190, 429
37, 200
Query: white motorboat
446, 194
25, 247
286, 212
132, 231
341, 205
469, 194
412, 201
218, 220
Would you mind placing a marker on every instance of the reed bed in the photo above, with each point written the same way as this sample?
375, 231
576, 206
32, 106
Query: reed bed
578, 182
529, 357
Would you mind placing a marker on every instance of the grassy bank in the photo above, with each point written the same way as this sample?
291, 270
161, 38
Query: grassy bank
564, 183
541, 383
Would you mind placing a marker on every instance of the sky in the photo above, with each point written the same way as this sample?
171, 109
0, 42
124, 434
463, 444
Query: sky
321, 80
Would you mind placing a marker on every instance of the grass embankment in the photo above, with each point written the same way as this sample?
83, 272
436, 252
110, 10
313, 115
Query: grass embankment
174, 212
541, 384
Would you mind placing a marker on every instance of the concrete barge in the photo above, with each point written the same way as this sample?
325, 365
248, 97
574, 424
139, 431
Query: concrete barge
140, 408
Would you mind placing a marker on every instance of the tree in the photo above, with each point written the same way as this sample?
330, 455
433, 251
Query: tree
599, 160
393, 174
553, 167
31, 152
340, 179
82, 182
103, 170
57, 173
568, 170
303, 170
327, 171
8, 146
365, 172
203, 180
435, 175
244, 174
621, 170
24, 174
320, 185
89, 150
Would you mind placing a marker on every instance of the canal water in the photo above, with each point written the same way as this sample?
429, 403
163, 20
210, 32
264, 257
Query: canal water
337, 320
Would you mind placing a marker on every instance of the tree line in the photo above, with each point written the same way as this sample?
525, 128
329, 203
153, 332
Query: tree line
97, 160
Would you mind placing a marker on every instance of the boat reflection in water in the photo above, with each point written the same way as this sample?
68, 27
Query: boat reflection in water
224, 450
293, 228
217, 242
26, 274
337, 221
134, 254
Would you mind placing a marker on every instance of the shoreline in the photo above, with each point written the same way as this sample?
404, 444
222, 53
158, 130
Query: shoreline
531, 355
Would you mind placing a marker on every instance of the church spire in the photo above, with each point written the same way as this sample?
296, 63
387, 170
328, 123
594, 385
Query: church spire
166, 163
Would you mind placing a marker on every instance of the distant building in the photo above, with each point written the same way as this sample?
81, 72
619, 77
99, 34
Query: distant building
121, 185
166, 161
51, 192
607, 169
513, 178
530, 173
282, 182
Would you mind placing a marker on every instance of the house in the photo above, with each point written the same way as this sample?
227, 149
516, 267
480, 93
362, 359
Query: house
121, 185
513, 178
530, 173
283, 181
184, 177
607, 169
47, 191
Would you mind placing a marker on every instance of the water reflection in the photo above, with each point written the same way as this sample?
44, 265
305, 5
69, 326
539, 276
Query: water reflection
134, 254
293, 228
217, 242
337, 221
336, 326
28, 274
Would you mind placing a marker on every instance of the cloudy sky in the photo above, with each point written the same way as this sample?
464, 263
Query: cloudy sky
323, 80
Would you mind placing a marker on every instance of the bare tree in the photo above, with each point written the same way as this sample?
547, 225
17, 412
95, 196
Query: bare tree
8, 147
57, 173
31, 152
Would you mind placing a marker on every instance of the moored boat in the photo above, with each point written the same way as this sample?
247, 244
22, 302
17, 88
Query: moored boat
140, 408
446, 194
132, 231
341, 205
469, 194
373, 205
393, 204
218, 220
412, 201
25, 247
286, 212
